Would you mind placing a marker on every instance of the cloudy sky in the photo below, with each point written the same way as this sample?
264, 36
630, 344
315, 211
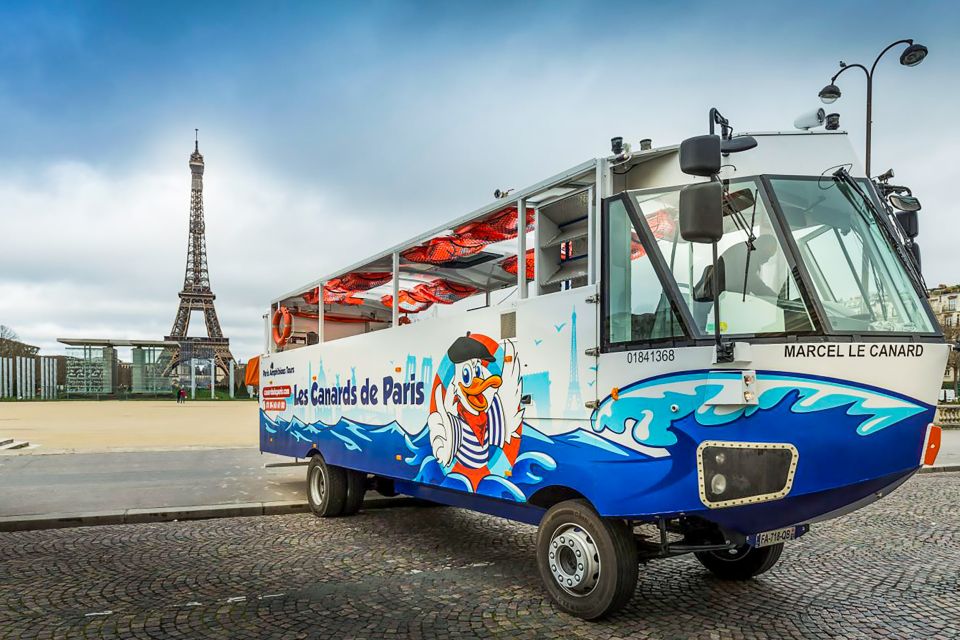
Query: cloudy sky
332, 131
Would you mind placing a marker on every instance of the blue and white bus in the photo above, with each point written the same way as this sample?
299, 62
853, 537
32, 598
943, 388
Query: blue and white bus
654, 353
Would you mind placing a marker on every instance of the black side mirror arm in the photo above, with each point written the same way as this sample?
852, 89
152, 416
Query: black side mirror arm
724, 350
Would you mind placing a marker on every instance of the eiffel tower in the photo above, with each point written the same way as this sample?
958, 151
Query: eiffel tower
196, 294
574, 400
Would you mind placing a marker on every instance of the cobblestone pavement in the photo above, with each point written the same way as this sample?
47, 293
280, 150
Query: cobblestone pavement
888, 571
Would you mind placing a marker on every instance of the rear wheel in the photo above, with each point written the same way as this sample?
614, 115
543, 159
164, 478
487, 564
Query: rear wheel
326, 487
741, 563
588, 564
356, 487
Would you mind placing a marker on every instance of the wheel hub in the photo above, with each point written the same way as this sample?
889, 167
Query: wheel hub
734, 554
574, 560
317, 485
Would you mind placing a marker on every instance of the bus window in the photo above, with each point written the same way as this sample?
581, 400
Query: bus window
758, 292
635, 307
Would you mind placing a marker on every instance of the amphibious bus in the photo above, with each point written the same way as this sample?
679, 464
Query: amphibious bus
701, 348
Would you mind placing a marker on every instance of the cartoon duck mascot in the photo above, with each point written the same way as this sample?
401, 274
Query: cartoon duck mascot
478, 411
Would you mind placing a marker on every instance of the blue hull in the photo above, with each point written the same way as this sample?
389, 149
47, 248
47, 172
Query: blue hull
852, 443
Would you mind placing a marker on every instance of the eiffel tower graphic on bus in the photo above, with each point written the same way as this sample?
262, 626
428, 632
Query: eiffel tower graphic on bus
574, 399
196, 294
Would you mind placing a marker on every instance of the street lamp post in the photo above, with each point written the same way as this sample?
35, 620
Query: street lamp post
911, 57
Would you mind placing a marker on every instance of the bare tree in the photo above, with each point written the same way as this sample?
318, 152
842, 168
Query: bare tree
6, 333
10, 345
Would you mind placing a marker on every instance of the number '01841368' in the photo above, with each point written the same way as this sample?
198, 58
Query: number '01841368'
651, 355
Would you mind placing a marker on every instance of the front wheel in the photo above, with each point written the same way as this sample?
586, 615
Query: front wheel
741, 563
326, 488
588, 564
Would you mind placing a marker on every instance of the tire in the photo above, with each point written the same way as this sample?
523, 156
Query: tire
356, 487
608, 581
326, 488
741, 563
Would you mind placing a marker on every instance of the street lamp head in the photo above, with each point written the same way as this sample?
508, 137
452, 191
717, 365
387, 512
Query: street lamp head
913, 55
829, 93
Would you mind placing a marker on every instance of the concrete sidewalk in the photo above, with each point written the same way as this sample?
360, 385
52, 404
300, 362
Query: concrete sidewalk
127, 425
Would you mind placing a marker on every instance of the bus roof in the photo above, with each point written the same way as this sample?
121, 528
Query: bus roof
557, 187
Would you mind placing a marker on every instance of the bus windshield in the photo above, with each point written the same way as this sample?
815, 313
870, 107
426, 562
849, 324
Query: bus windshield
862, 284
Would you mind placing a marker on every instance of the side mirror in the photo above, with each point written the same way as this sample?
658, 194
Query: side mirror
910, 222
700, 156
905, 203
714, 278
701, 212
738, 144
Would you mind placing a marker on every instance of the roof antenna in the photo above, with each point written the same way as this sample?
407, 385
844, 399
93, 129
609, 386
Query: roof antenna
196, 140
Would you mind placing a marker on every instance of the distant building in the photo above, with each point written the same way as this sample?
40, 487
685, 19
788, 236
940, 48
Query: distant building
945, 302
93, 368
24, 374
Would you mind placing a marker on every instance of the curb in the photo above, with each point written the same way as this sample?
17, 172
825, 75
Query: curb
947, 468
172, 514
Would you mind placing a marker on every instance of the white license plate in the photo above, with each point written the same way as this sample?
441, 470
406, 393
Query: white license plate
767, 538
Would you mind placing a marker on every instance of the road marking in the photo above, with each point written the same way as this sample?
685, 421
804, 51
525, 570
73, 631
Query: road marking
97, 613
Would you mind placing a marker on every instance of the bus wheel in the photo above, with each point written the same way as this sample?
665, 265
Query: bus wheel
356, 487
326, 487
588, 564
741, 563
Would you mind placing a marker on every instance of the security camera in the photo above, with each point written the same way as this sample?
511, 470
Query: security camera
833, 122
810, 119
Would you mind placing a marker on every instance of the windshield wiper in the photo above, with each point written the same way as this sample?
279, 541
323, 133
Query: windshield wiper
844, 176
750, 247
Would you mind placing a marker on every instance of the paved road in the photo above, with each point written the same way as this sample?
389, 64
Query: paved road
888, 571
72, 483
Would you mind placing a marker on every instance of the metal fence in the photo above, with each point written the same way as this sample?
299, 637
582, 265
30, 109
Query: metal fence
28, 378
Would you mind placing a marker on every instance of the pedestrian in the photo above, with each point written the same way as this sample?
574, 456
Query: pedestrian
183, 396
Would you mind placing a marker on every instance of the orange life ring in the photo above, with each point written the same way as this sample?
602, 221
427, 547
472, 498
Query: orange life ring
281, 337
